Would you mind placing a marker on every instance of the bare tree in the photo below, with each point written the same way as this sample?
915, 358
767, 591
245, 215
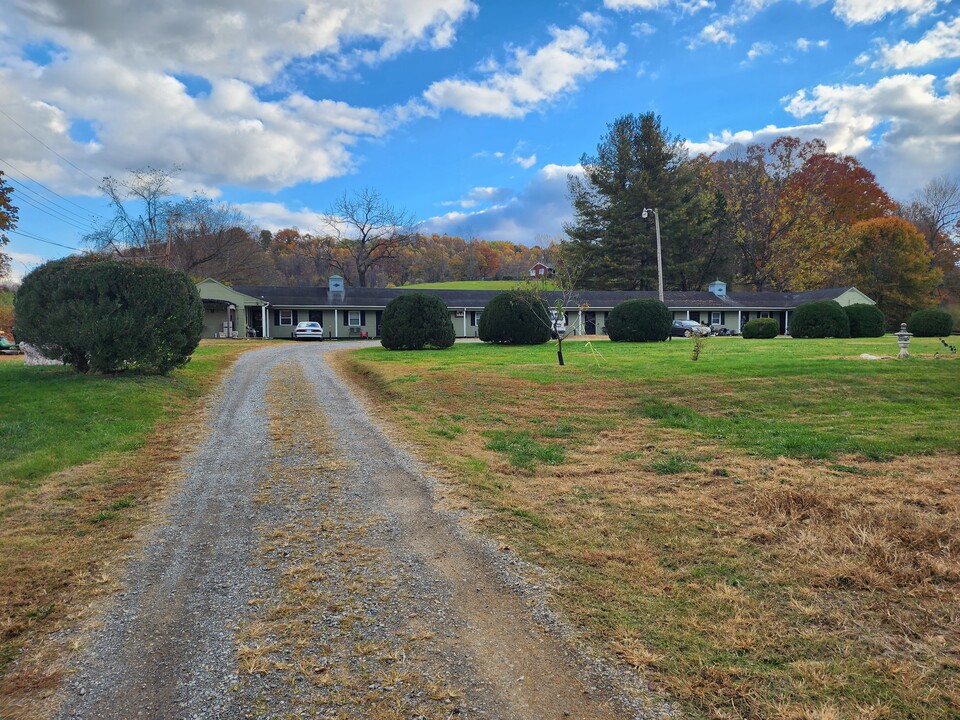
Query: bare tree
136, 233
559, 292
369, 230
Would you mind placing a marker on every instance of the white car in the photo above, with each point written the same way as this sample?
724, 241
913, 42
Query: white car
308, 331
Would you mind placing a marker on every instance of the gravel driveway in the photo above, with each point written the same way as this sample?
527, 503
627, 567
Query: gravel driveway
302, 570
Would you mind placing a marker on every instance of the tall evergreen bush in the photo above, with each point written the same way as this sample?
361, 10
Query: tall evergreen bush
930, 323
101, 315
415, 321
865, 320
515, 317
820, 319
639, 321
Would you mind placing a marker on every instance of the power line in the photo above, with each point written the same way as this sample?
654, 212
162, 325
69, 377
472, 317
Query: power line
55, 215
53, 192
68, 214
68, 162
31, 236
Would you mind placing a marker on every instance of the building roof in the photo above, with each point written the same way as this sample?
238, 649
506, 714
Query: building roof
282, 296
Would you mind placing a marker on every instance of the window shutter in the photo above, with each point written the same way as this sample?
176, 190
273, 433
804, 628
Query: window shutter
294, 316
346, 318
363, 317
276, 317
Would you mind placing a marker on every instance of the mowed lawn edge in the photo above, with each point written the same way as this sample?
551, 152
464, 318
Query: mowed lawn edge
85, 461
767, 532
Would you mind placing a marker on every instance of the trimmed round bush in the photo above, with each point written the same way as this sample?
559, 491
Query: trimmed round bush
761, 329
415, 321
515, 317
865, 320
820, 319
930, 323
639, 321
106, 316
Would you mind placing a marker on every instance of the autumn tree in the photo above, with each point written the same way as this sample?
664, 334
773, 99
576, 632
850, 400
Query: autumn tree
935, 210
8, 221
369, 229
791, 204
890, 261
639, 164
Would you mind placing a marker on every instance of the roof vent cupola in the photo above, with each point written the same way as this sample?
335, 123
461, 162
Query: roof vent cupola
335, 288
718, 287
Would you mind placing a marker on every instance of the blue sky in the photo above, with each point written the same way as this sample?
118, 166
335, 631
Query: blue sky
469, 114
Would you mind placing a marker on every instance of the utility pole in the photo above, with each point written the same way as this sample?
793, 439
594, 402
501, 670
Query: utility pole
656, 220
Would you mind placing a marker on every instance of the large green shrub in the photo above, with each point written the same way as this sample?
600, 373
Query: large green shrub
820, 319
639, 321
101, 315
515, 317
761, 328
415, 321
865, 320
930, 323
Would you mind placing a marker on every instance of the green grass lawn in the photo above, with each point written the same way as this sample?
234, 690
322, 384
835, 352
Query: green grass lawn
53, 418
767, 532
484, 285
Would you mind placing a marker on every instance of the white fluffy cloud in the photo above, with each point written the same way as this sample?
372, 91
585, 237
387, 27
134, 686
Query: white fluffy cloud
899, 127
530, 80
854, 12
248, 39
940, 42
541, 208
277, 216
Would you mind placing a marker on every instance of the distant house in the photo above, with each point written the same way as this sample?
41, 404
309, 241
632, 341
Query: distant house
273, 311
542, 270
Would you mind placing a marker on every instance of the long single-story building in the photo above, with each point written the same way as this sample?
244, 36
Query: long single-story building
274, 311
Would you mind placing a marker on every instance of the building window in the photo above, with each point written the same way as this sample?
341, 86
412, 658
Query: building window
765, 314
353, 319
715, 318
475, 318
286, 317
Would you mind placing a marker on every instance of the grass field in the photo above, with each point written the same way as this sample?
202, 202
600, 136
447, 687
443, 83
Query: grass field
82, 459
769, 532
484, 285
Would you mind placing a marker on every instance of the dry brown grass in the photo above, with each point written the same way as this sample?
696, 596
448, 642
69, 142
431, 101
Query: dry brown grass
330, 631
746, 587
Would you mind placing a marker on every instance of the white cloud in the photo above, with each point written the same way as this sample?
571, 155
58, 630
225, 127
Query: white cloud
939, 43
685, 6
248, 39
22, 263
759, 49
804, 44
854, 12
899, 127
274, 216
481, 195
716, 33
530, 80
642, 29
593, 20
540, 208
526, 162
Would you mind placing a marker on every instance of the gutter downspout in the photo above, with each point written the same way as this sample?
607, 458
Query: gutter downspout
336, 324
464, 322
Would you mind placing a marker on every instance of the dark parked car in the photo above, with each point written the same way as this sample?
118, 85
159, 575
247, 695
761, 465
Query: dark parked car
688, 328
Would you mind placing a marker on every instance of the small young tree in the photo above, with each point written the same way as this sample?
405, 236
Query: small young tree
820, 319
515, 317
101, 315
416, 321
644, 320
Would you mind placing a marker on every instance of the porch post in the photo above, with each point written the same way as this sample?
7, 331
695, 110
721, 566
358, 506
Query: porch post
688, 314
739, 321
464, 322
786, 322
336, 324
265, 331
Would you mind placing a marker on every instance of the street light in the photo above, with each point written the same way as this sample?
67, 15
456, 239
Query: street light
656, 219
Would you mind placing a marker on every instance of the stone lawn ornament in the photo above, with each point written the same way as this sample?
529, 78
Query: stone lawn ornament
903, 340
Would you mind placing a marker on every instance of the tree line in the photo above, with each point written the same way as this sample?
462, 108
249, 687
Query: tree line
786, 216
